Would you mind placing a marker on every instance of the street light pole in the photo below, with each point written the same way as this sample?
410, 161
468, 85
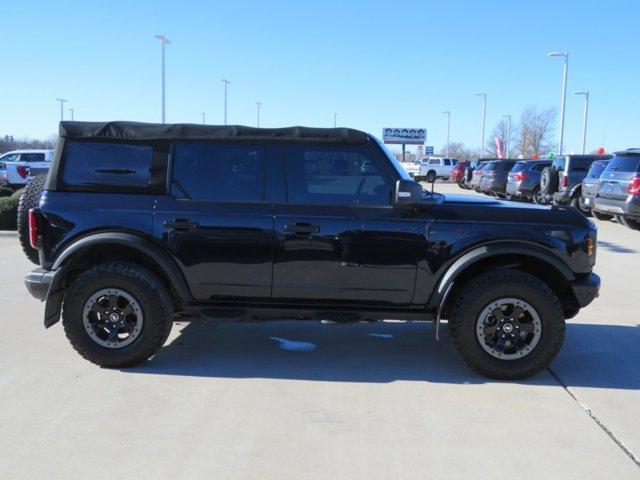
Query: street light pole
258, 112
586, 114
164, 41
226, 82
446, 147
61, 100
335, 120
508, 117
71, 111
203, 117
484, 119
564, 94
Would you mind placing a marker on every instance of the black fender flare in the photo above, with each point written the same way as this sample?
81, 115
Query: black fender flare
493, 250
574, 190
144, 246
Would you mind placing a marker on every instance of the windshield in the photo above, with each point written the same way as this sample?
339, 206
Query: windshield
624, 163
518, 167
394, 161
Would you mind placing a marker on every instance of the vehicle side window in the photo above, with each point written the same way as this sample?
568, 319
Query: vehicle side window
335, 176
447, 162
32, 157
539, 167
101, 166
434, 161
12, 157
219, 173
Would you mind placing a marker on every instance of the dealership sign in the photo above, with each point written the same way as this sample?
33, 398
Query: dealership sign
406, 136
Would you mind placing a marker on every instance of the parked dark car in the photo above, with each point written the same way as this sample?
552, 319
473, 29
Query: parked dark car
494, 177
619, 188
524, 181
476, 176
590, 186
563, 179
470, 168
143, 223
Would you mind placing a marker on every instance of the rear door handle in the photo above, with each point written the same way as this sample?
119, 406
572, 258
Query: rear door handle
180, 224
301, 228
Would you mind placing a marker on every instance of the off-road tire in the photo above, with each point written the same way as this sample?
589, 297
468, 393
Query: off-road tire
431, 176
30, 198
145, 287
549, 181
473, 296
602, 216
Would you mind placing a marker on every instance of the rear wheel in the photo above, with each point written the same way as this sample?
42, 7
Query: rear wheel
577, 204
629, 223
506, 324
602, 216
29, 199
117, 314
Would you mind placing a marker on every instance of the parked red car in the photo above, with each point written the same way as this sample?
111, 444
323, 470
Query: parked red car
457, 174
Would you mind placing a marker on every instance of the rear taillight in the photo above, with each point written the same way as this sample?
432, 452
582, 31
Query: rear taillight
565, 181
634, 186
33, 229
519, 176
23, 171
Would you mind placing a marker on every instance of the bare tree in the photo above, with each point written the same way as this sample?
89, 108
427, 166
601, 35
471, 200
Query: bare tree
9, 142
501, 132
535, 132
460, 151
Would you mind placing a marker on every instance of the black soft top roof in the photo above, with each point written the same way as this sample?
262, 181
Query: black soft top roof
192, 131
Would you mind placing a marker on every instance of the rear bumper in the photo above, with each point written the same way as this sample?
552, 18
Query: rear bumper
562, 198
629, 207
38, 283
586, 289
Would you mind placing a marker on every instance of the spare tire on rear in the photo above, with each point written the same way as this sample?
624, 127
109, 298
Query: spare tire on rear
29, 199
549, 181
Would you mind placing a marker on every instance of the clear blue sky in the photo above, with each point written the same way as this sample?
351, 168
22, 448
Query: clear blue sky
375, 63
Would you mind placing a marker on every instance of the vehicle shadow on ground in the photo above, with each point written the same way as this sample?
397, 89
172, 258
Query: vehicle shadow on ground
600, 356
614, 247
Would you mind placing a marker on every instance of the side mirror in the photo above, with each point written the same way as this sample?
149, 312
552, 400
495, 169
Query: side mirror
407, 192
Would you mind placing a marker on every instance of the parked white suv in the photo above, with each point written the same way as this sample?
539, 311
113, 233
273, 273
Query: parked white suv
436, 167
17, 166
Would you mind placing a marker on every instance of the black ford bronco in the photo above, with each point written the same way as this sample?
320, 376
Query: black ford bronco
139, 224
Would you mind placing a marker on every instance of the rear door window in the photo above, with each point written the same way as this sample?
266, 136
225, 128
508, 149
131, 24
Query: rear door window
97, 166
32, 157
447, 162
336, 176
596, 169
580, 164
218, 172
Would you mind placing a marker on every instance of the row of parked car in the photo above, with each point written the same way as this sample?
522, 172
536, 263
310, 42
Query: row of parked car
605, 186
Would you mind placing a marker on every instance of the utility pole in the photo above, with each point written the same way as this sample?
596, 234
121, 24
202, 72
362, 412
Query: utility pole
564, 94
484, 119
586, 115
203, 117
506, 152
61, 100
258, 104
226, 82
446, 148
165, 41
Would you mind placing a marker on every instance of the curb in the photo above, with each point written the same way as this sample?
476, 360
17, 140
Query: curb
8, 233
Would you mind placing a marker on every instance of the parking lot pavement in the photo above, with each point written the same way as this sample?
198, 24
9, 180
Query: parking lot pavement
362, 401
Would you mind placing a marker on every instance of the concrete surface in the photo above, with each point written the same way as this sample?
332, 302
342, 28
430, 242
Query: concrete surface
370, 402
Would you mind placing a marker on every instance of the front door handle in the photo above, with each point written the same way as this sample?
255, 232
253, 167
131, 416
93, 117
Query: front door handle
180, 224
301, 228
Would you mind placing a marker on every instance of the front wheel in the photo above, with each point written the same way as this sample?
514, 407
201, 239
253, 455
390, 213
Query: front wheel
602, 216
506, 324
431, 176
117, 314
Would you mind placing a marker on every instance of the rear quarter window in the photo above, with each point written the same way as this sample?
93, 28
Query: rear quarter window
518, 167
96, 166
596, 169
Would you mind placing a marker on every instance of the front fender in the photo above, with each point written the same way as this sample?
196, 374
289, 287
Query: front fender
467, 259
